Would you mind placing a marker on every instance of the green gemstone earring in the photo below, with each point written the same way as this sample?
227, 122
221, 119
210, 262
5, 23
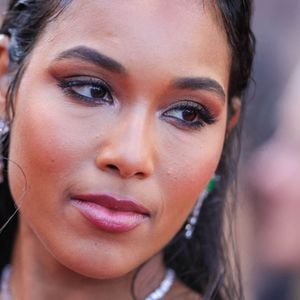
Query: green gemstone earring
193, 218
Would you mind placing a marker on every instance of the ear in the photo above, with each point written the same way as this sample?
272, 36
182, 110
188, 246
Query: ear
235, 115
4, 75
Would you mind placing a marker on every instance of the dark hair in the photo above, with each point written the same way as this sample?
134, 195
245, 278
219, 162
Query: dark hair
202, 263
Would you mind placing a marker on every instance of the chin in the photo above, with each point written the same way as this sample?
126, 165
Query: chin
95, 268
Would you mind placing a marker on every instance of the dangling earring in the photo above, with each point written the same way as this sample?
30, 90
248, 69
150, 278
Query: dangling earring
21, 4
3, 131
193, 218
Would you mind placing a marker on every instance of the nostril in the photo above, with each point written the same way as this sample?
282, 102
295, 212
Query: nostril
126, 173
139, 174
112, 167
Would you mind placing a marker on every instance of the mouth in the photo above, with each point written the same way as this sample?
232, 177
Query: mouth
110, 214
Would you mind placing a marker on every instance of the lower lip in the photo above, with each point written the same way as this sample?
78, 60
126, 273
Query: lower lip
114, 221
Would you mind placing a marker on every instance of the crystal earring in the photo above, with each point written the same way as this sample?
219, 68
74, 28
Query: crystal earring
21, 4
3, 131
193, 218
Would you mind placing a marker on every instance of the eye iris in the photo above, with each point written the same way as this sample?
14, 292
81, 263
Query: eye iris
97, 92
189, 115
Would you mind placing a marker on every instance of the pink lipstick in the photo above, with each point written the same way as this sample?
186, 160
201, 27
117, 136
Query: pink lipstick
109, 213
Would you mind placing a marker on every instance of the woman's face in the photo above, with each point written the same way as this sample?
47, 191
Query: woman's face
120, 122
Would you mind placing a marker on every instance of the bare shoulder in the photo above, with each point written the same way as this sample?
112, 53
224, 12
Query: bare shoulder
181, 291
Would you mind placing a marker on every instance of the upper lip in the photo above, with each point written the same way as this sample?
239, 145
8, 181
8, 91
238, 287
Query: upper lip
114, 203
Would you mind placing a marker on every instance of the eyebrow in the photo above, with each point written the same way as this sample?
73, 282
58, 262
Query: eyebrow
92, 56
200, 83
95, 57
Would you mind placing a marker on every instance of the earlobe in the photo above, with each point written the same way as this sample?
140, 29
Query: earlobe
235, 116
4, 63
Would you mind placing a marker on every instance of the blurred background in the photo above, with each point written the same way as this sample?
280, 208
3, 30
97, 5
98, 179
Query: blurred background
268, 221
3, 4
269, 185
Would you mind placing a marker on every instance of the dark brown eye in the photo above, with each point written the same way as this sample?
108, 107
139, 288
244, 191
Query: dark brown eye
98, 92
189, 115
90, 90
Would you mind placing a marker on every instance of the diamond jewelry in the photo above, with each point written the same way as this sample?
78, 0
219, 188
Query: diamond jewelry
164, 286
21, 3
157, 294
193, 218
4, 283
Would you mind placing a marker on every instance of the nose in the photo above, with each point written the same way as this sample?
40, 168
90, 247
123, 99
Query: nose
128, 149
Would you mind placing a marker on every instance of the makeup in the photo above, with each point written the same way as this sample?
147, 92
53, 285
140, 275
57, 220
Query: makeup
110, 214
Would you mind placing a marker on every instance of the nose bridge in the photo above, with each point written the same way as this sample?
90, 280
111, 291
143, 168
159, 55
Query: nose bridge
129, 148
135, 136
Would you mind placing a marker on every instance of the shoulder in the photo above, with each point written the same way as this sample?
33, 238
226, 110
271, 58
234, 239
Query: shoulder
181, 291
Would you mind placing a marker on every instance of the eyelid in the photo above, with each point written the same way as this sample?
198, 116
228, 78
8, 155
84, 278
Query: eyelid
189, 104
206, 117
69, 82
85, 79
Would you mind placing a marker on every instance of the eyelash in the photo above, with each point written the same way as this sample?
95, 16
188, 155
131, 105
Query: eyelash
69, 86
201, 113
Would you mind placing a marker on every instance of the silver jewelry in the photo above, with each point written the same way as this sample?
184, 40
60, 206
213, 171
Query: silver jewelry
193, 218
3, 131
5, 293
20, 3
157, 294
163, 288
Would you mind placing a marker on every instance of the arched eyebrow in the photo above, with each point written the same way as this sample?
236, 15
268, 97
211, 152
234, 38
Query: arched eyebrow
95, 57
92, 56
200, 83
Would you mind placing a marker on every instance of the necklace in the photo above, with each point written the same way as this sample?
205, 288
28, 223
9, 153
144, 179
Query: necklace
4, 283
157, 294
163, 288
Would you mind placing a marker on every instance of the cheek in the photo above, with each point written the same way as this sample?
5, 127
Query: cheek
43, 148
190, 166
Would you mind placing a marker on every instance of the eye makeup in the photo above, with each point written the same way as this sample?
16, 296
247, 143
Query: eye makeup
92, 91
189, 114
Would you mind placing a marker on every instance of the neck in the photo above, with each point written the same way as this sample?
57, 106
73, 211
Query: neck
37, 275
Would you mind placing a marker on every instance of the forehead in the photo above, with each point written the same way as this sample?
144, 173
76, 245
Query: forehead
188, 34
173, 14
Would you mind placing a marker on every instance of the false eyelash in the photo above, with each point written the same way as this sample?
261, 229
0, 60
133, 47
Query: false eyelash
207, 118
67, 84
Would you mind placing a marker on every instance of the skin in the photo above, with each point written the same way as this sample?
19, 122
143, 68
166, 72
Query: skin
274, 179
129, 147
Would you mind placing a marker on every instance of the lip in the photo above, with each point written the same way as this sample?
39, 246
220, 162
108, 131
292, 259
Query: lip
110, 213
